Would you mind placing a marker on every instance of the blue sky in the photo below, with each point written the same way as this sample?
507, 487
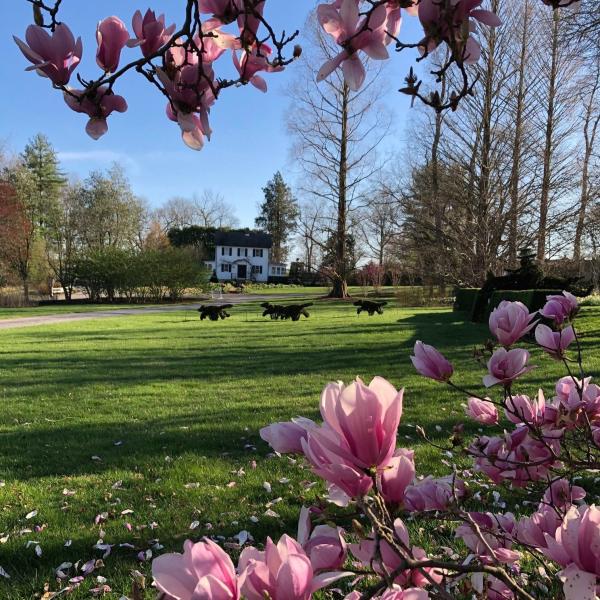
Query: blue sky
249, 142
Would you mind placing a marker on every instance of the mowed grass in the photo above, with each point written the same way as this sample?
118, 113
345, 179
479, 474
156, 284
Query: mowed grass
159, 414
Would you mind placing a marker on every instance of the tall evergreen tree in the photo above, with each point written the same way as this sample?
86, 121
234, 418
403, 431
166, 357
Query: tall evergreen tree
40, 159
278, 215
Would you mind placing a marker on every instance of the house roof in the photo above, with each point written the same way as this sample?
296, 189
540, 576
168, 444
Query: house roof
243, 239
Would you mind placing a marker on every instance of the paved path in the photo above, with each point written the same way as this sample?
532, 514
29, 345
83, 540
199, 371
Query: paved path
128, 312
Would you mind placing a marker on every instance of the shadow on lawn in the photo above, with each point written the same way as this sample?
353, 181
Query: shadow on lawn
64, 449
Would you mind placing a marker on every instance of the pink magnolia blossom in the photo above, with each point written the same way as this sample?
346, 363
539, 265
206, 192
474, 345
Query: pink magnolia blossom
554, 342
397, 475
53, 55
359, 433
281, 572
498, 590
531, 530
576, 547
389, 561
324, 545
249, 23
151, 33
227, 11
455, 29
191, 93
397, 593
431, 363
516, 457
98, 108
596, 436
223, 11
497, 531
520, 409
510, 321
505, 366
365, 417
322, 449
204, 570
576, 396
369, 34
562, 494
433, 494
286, 437
252, 62
394, 593
560, 308
112, 36
482, 411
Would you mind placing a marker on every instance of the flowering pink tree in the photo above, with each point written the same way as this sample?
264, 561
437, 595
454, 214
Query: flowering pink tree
182, 61
541, 448
538, 453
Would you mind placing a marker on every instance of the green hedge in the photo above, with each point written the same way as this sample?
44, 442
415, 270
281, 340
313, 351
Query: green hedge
532, 299
466, 299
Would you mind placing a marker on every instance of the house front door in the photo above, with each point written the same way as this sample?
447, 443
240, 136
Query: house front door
242, 272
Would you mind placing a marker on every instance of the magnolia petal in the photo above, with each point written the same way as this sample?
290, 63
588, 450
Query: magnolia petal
324, 579
193, 139
487, 17
96, 127
354, 72
577, 584
259, 83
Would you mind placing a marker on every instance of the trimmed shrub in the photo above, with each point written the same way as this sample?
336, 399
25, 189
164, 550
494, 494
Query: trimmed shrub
466, 299
532, 299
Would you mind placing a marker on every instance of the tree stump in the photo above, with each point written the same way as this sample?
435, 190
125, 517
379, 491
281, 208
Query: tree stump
369, 306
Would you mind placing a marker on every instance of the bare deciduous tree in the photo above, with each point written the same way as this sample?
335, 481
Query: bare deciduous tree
336, 132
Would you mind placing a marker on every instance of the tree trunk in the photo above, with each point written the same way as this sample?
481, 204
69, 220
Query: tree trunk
516, 155
339, 288
483, 191
340, 285
546, 178
26, 289
590, 129
437, 204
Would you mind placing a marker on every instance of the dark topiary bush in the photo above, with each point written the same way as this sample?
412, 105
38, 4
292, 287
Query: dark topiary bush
369, 306
214, 312
466, 299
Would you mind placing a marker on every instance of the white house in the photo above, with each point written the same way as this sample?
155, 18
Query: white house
245, 255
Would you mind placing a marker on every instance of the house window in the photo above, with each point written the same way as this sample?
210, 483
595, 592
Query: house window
257, 270
230, 251
246, 252
273, 270
225, 268
257, 252
222, 250
239, 251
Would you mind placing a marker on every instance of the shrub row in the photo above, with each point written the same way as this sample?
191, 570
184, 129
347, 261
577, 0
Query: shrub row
139, 275
479, 305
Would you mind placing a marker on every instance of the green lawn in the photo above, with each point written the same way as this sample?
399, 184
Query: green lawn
159, 415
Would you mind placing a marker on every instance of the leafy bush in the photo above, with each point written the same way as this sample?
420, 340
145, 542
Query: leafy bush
532, 299
146, 275
465, 299
420, 296
593, 300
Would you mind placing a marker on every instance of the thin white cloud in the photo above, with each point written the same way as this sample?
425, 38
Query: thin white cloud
100, 156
